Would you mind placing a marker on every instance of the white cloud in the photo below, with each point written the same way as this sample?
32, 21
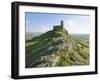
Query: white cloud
76, 28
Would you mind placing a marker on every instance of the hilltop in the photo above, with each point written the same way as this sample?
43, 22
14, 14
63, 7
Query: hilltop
56, 48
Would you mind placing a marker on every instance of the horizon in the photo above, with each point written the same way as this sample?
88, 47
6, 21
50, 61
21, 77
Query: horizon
69, 33
43, 22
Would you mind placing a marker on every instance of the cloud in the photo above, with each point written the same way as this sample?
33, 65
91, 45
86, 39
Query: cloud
75, 27
69, 25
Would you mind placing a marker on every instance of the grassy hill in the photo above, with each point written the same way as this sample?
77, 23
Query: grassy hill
56, 48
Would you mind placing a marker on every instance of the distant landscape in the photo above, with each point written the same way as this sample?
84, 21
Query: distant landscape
56, 48
82, 38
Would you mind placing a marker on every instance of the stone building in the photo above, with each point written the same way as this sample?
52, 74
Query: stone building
59, 27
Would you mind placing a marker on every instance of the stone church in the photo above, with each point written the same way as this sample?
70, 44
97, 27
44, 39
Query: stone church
59, 27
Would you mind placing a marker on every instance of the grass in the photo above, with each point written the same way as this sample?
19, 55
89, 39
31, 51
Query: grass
77, 52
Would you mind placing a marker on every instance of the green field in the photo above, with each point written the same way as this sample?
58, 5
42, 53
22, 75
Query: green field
82, 38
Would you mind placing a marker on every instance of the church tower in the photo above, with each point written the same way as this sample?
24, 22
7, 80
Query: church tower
59, 27
62, 24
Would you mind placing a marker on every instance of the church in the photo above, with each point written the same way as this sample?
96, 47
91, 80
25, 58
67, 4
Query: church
59, 27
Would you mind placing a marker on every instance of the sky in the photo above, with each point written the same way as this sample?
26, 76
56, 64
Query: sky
42, 22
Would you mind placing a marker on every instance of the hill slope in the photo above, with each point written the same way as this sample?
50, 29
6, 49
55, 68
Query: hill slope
56, 48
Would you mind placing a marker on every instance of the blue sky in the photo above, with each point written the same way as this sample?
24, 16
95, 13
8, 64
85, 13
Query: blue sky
42, 22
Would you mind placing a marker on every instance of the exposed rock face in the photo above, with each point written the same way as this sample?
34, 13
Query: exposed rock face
56, 48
